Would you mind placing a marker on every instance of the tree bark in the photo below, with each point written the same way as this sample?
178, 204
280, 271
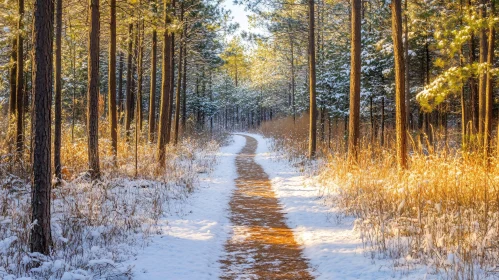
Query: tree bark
482, 82
129, 77
113, 119
121, 106
179, 80
184, 83
165, 87
400, 106
152, 91
172, 80
312, 138
20, 81
58, 90
354, 122
40, 239
13, 73
489, 99
406, 67
140, 71
93, 91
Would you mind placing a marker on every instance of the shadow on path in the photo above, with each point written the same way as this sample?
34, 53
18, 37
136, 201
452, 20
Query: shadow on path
262, 246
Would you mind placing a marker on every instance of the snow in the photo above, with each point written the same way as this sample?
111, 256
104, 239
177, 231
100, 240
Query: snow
190, 244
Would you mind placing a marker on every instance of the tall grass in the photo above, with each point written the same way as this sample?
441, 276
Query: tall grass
443, 211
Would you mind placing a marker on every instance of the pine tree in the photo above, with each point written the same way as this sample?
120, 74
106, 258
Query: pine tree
40, 237
93, 91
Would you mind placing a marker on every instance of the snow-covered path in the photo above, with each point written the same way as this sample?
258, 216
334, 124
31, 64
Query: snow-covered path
192, 244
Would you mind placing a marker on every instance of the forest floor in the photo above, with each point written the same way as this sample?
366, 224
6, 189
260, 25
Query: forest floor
257, 217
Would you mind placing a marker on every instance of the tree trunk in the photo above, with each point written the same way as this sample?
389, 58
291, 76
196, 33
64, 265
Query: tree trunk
40, 239
165, 88
311, 66
400, 115
172, 81
121, 106
472, 82
93, 91
58, 89
20, 81
140, 47
184, 84
353, 129
152, 91
179, 80
482, 82
113, 120
129, 77
406, 68
382, 136
13, 73
489, 99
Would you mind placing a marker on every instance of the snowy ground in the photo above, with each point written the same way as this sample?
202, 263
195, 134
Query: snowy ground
191, 243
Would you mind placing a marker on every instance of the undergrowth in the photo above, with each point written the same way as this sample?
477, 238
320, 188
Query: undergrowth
442, 212
96, 225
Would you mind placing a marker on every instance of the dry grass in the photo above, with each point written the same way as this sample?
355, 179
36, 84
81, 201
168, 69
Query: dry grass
96, 225
442, 212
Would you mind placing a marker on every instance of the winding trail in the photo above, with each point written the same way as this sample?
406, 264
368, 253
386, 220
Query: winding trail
262, 245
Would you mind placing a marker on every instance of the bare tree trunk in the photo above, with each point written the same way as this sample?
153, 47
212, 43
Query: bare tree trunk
40, 237
293, 82
482, 82
152, 91
489, 99
13, 73
353, 129
406, 68
311, 66
93, 91
121, 105
20, 81
179, 79
129, 78
184, 84
382, 138
58, 89
113, 120
400, 107
171, 76
140, 70
165, 88
473, 86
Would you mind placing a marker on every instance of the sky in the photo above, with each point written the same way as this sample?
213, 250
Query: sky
239, 15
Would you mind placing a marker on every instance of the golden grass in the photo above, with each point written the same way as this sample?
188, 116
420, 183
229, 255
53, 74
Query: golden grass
443, 210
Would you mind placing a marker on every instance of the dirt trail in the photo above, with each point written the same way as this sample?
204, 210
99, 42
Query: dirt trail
262, 246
